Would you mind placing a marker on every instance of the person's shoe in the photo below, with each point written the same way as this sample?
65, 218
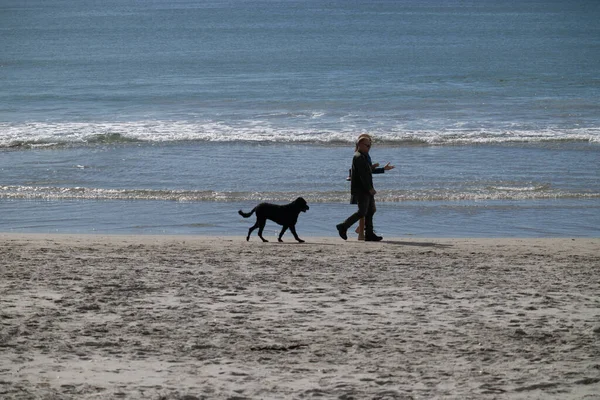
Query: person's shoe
372, 237
342, 231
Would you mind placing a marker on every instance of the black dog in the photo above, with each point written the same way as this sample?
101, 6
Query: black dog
286, 215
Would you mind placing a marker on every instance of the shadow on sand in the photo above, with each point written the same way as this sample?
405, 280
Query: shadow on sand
384, 242
417, 244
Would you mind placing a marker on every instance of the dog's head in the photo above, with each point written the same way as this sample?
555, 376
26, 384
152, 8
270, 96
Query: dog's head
301, 204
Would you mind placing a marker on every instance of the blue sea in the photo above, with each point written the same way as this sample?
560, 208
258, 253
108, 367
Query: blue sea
168, 116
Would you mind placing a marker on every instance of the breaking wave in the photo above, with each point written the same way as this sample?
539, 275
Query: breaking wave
50, 134
82, 193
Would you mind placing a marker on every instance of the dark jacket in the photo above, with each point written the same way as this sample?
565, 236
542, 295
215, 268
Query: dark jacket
361, 181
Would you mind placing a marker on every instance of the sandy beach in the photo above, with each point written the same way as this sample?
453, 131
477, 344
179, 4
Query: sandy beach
174, 317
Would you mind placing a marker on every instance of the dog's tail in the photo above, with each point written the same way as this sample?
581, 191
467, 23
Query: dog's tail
247, 215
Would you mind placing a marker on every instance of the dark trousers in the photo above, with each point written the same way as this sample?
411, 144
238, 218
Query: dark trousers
366, 208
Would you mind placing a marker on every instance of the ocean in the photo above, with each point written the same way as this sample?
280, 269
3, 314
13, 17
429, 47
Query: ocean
168, 116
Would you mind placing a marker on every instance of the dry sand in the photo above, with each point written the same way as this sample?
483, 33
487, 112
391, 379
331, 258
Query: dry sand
115, 317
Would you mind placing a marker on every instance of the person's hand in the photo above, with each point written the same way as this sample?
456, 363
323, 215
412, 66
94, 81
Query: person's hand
373, 192
387, 167
375, 165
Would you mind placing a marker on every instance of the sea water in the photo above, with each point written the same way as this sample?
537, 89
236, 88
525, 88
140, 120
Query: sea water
146, 117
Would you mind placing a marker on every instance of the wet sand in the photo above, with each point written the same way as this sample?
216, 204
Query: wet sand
182, 317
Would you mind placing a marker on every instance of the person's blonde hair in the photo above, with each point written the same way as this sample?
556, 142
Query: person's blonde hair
361, 137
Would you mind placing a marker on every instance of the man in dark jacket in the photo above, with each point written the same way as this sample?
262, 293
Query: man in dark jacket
362, 191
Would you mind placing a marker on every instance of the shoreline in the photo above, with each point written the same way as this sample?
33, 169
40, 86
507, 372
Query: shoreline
492, 219
271, 236
150, 316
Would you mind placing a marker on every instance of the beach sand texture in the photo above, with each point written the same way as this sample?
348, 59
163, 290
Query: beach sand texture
174, 317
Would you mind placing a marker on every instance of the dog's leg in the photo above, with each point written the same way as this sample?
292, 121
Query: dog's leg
282, 232
261, 225
253, 227
293, 230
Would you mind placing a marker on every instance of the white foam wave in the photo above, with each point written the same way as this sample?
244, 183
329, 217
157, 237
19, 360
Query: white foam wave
40, 134
524, 189
393, 196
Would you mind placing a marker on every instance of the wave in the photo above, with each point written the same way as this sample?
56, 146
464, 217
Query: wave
81, 193
52, 134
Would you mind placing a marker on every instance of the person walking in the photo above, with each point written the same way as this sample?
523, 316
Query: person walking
375, 169
362, 190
